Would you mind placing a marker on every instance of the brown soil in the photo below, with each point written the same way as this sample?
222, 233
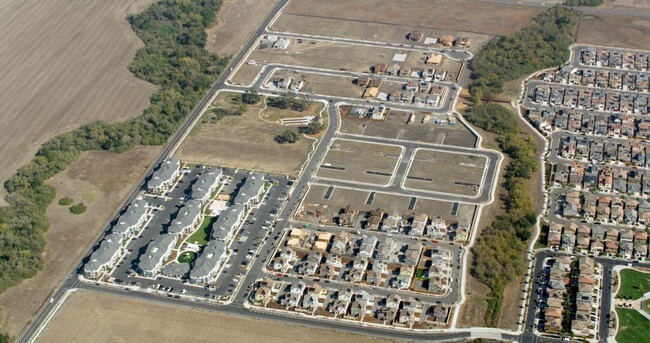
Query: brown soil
89, 180
509, 314
615, 30
236, 21
473, 311
96, 317
63, 64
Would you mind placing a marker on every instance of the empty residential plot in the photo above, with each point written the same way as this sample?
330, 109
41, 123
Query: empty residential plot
615, 30
335, 56
97, 317
446, 172
395, 127
63, 64
362, 162
333, 85
457, 15
245, 142
236, 21
69, 235
246, 74
274, 114
365, 30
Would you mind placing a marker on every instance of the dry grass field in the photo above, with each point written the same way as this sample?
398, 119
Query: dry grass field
341, 86
641, 4
615, 30
244, 142
446, 172
451, 15
246, 74
63, 64
96, 317
359, 162
70, 235
236, 21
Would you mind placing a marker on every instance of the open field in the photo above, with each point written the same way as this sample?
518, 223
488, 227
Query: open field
335, 56
341, 197
634, 284
473, 310
641, 4
97, 317
63, 64
275, 114
339, 86
615, 30
359, 162
244, 142
379, 32
235, 23
70, 235
446, 172
246, 74
395, 127
448, 15
632, 327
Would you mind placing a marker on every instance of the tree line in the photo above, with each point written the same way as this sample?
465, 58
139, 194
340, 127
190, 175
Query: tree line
174, 59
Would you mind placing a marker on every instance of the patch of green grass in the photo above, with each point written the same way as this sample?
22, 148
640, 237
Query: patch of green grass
65, 201
187, 257
78, 208
632, 326
202, 235
89, 197
634, 284
420, 274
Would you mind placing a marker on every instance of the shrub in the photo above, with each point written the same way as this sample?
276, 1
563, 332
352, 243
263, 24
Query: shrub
65, 201
287, 136
78, 208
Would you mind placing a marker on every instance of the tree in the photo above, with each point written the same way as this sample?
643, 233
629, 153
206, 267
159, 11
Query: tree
250, 97
287, 136
312, 128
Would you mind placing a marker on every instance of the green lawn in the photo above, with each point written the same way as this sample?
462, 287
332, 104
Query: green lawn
202, 235
633, 284
633, 327
187, 257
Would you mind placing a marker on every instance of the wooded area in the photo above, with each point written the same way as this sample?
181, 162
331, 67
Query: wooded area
174, 59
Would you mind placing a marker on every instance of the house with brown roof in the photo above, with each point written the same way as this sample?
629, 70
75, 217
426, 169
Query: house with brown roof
447, 40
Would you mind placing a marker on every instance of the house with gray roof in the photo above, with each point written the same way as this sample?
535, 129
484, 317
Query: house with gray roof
188, 218
205, 184
227, 223
158, 250
132, 220
164, 176
250, 192
209, 263
105, 257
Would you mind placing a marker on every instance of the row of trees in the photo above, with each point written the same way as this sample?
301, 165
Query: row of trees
541, 44
174, 59
591, 3
286, 101
499, 252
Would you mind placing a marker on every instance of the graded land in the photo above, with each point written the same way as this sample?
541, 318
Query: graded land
63, 64
70, 235
615, 30
95, 317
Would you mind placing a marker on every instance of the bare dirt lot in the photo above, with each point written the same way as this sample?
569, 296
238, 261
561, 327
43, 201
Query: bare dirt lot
95, 317
452, 15
236, 21
63, 64
446, 172
70, 235
395, 127
615, 30
360, 162
244, 142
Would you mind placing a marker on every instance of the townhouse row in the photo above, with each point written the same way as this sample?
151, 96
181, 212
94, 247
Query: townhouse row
607, 209
632, 152
592, 123
603, 179
601, 78
603, 57
590, 99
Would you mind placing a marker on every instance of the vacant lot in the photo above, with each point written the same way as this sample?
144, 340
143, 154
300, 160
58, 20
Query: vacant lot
446, 172
452, 15
63, 64
633, 284
359, 162
237, 20
87, 181
644, 4
633, 327
614, 30
246, 74
244, 142
341, 86
341, 197
395, 127
96, 317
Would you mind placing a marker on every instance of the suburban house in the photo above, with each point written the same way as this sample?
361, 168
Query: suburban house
151, 262
207, 265
188, 218
105, 257
418, 224
164, 176
206, 183
130, 222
